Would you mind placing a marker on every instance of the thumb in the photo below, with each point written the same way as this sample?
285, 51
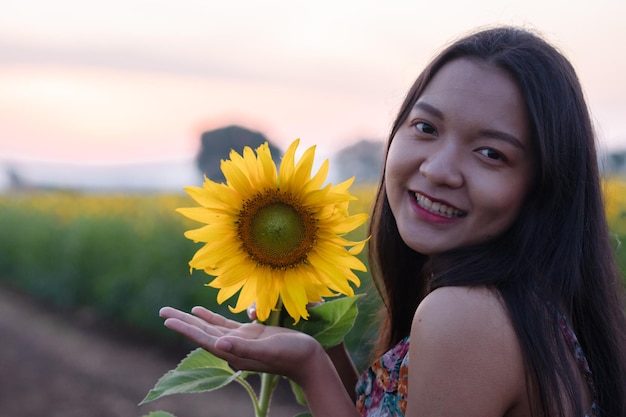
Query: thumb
242, 348
249, 355
224, 344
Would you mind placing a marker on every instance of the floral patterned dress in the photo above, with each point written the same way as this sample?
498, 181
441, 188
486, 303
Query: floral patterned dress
382, 389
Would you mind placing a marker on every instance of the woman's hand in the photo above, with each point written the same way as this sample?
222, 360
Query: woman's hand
249, 346
270, 349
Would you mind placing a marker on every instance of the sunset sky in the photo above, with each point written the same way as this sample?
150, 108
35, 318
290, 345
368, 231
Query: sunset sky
139, 80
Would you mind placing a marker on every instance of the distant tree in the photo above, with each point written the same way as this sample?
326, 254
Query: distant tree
15, 179
217, 144
363, 160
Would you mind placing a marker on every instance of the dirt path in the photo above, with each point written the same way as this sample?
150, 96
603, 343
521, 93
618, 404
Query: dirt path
53, 365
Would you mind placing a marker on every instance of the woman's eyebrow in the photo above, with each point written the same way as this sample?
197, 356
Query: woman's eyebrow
503, 136
429, 109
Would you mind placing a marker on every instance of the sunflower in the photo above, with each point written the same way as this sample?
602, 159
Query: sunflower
275, 235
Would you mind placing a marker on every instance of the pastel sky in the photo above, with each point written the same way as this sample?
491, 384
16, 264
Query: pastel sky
139, 80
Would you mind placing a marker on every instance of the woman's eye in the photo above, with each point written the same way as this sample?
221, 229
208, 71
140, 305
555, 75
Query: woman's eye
427, 128
491, 154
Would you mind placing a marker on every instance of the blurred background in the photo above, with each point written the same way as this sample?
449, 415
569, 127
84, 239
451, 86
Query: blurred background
108, 109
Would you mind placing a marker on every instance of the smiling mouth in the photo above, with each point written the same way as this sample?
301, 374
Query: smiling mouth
438, 208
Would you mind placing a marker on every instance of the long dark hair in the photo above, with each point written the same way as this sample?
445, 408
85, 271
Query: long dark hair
557, 255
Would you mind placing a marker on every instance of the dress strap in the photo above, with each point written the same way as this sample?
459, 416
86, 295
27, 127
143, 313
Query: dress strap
577, 351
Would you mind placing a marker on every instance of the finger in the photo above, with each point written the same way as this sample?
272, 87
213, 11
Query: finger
214, 318
200, 323
218, 346
252, 312
167, 312
243, 354
200, 337
254, 346
172, 313
192, 332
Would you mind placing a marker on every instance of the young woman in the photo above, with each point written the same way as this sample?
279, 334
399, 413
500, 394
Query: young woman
490, 249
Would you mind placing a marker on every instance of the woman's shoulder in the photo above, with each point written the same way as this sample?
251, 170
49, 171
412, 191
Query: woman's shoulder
463, 345
467, 318
462, 306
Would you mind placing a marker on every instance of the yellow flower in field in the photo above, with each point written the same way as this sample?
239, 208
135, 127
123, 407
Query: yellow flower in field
272, 234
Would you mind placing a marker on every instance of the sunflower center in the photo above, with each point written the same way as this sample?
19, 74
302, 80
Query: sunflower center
275, 230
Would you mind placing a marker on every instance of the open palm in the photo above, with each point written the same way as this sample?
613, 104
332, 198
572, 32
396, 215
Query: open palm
246, 346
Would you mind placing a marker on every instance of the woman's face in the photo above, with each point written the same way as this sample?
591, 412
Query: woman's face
460, 166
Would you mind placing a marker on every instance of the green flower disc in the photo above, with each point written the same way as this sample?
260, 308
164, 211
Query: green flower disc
275, 230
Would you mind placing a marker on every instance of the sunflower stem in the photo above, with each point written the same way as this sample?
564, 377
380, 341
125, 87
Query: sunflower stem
268, 384
269, 381
255, 402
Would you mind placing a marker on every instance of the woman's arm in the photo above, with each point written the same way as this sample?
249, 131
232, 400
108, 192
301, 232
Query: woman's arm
345, 368
325, 390
256, 347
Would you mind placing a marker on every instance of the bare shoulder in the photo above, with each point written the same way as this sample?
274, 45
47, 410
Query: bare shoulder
461, 309
464, 346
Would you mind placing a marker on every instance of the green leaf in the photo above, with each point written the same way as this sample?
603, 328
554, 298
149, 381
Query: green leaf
200, 371
329, 322
304, 415
298, 393
159, 414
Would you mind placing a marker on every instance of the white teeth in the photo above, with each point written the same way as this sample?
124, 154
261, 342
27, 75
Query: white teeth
437, 207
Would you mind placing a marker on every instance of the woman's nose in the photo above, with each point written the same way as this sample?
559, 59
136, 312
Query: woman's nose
442, 168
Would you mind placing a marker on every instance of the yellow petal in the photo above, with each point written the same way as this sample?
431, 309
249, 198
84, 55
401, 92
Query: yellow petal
249, 161
348, 224
224, 254
285, 172
231, 276
302, 171
202, 197
268, 167
270, 282
237, 178
343, 186
294, 297
211, 232
332, 273
214, 255
352, 277
204, 215
248, 295
229, 197
318, 179
227, 292
340, 257
356, 249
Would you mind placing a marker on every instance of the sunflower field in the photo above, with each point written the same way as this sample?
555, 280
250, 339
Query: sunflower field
124, 256
120, 257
